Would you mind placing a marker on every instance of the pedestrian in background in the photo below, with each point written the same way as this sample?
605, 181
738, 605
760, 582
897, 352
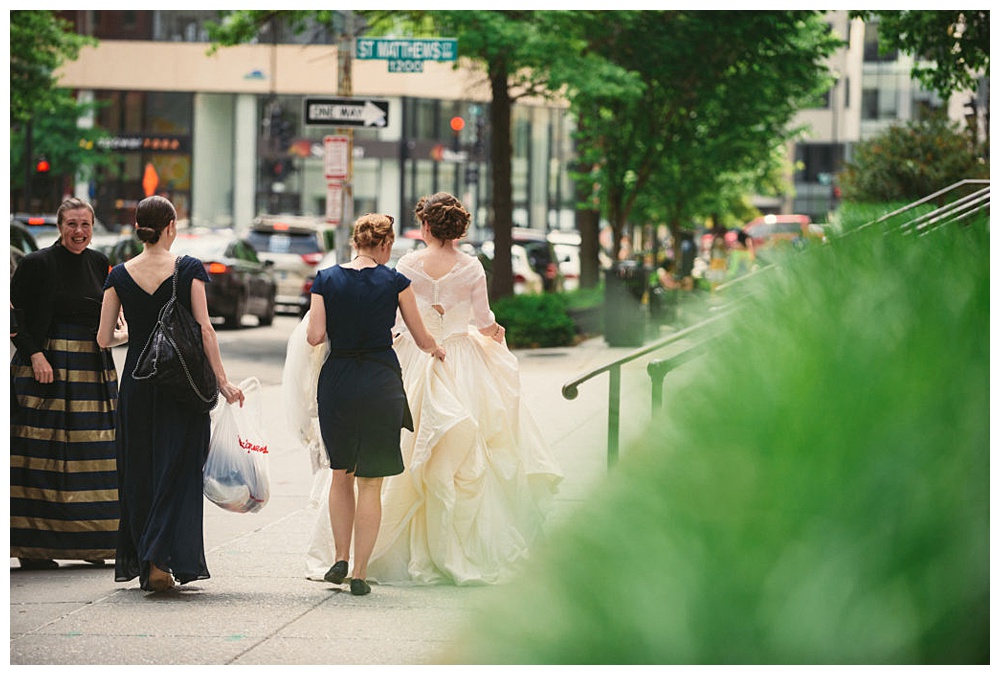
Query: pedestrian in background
741, 255
64, 389
162, 446
360, 398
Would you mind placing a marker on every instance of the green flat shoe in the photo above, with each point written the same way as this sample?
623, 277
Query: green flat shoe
360, 587
337, 573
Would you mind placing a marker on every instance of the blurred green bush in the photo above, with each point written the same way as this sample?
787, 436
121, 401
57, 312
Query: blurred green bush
534, 321
821, 495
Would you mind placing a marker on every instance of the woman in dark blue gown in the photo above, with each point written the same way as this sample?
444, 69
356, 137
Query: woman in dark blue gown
161, 446
361, 402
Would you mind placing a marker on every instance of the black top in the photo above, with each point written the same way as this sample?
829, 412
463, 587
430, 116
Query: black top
54, 286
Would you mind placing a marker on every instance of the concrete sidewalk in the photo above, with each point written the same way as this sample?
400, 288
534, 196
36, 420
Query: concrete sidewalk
258, 607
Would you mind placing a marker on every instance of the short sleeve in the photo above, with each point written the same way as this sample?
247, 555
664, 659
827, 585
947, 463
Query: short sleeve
194, 267
319, 283
402, 282
113, 276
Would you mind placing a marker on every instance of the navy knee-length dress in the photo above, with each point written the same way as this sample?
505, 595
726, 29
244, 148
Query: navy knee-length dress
360, 397
162, 448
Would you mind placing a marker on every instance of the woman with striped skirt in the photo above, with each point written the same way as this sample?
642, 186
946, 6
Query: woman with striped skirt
64, 391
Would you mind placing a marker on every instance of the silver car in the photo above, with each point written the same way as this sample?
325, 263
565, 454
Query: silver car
294, 246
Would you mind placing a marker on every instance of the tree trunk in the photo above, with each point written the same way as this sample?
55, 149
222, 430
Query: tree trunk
501, 150
588, 223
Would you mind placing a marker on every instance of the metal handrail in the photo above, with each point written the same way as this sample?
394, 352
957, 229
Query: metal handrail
570, 390
657, 370
960, 209
920, 202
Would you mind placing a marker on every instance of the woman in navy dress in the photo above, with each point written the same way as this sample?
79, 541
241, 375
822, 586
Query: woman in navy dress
361, 402
161, 446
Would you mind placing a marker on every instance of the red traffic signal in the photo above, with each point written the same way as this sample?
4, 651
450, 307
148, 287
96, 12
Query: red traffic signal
42, 165
457, 124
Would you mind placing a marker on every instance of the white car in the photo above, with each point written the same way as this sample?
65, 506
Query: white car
568, 257
526, 279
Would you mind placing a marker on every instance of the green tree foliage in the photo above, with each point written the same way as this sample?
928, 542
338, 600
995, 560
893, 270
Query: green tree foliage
908, 162
40, 43
703, 97
952, 46
43, 116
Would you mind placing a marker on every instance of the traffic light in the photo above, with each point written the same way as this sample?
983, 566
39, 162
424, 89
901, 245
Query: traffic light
42, 166
457, 124
279, 170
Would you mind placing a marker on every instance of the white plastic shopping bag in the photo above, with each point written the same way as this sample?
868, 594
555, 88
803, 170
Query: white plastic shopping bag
235, 473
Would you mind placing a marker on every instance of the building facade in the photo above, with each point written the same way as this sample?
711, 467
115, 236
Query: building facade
226, 137
224, 134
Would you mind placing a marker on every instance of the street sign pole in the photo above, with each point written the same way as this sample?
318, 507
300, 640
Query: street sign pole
345, 87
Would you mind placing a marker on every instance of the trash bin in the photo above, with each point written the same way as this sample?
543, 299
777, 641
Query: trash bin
625, 314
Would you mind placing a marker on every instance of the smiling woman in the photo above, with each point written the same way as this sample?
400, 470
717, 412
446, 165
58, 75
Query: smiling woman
64, 390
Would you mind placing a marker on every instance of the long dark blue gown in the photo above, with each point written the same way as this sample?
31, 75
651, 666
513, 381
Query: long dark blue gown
162, 448
360, 397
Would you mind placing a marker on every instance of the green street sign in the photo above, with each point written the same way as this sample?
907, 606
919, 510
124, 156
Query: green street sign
406, 49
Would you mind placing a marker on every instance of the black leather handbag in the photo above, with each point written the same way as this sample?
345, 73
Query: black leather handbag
174, 357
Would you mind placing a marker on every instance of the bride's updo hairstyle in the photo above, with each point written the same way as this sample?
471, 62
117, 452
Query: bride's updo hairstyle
445, 216
152, 216
372, 229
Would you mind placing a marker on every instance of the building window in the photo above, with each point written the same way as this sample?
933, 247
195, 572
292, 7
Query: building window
819, 162
880, 102
872, 54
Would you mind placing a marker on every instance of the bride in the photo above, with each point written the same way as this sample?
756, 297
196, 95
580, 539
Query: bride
479, 478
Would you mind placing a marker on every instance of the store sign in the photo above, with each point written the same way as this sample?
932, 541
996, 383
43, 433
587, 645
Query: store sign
144, 143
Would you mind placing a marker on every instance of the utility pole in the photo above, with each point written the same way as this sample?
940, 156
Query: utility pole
345, 88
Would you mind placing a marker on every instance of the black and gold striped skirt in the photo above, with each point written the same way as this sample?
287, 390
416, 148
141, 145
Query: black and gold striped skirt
63, 473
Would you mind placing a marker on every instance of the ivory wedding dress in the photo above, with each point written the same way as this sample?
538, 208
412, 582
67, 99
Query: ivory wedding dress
479, 477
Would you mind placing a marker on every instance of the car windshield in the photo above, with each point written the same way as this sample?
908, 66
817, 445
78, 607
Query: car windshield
284, 242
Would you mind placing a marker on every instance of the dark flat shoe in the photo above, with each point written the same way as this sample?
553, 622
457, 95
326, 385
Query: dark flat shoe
360, 587
337, 573
37, 564
96, 562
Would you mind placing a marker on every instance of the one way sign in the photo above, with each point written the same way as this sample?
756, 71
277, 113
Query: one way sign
346, 112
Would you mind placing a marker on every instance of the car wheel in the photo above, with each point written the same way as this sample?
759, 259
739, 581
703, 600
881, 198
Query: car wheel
235, 320
268, 317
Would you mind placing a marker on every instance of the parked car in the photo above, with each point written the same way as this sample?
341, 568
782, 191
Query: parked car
526, 279
567, 248
329, 260
21, 244
541, 255
294, 245
782, 230
241, 282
